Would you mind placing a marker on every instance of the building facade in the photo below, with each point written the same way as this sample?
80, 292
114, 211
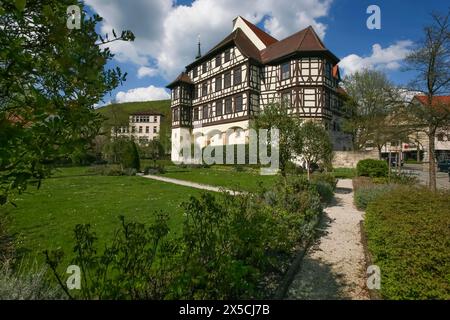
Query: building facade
417, 145
214, 100
142, 126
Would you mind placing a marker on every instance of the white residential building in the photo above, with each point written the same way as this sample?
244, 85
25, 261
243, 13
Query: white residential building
143, 126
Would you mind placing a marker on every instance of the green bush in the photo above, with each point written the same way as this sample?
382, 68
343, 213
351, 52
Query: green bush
324, 177
124, 152
372, 168
325, 191
404, 178
408, 237
130, 157
106, 170
366, 194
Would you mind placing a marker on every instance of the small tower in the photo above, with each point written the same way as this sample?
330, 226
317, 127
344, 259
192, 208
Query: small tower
199, 52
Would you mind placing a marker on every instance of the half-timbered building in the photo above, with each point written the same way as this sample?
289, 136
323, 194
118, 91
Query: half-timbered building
219, 93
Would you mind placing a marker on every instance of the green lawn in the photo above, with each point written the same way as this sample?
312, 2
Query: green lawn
45, 218
223, 176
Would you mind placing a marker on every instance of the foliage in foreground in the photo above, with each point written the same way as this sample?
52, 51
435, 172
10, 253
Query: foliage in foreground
26, 284
50, 78
408, 236
229, 248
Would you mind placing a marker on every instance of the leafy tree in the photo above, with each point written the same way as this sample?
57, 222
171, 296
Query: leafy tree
124, 151
277, 116
313, 143
154, 151
50, 78
431, 62
371, 101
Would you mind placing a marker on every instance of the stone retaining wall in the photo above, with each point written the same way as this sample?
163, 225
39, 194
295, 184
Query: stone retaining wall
349, 159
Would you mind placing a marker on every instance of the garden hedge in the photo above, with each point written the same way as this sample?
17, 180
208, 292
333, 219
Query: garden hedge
372, 168
408, 236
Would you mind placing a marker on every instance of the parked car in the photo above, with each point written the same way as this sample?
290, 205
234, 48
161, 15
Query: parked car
444, 165
394, 161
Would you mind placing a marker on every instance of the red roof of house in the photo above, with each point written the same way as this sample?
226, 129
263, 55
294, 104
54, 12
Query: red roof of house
438, 100
303, 41
182, 77
335, 72
266, 38
147, 113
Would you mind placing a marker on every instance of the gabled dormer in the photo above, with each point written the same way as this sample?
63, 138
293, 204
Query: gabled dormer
259, 38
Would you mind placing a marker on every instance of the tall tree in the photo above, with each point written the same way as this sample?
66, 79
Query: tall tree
370, 104
431, 62
277, 115
312, 142
50, 78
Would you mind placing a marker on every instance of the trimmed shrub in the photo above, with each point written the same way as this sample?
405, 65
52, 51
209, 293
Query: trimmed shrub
408, 237
366, 194
372, 168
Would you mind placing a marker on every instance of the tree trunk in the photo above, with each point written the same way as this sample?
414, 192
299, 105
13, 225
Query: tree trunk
418, 153
432, 160
379, 152
307, 169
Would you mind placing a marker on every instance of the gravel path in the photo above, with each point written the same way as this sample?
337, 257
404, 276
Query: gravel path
189, 184
334, 267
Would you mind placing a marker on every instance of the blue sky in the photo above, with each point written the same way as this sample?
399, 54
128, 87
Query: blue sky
167, 33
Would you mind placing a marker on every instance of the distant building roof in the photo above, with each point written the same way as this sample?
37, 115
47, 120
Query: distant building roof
146, 113
438, 100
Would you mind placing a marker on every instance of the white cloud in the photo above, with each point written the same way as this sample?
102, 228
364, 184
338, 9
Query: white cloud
147, 72
381, 59
167, 33
142, 94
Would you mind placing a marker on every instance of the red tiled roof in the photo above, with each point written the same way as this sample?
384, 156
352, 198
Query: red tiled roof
239, 38
183, 77
266, 38
335, 72
305, 40
146, 113
14, 118
438, 100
